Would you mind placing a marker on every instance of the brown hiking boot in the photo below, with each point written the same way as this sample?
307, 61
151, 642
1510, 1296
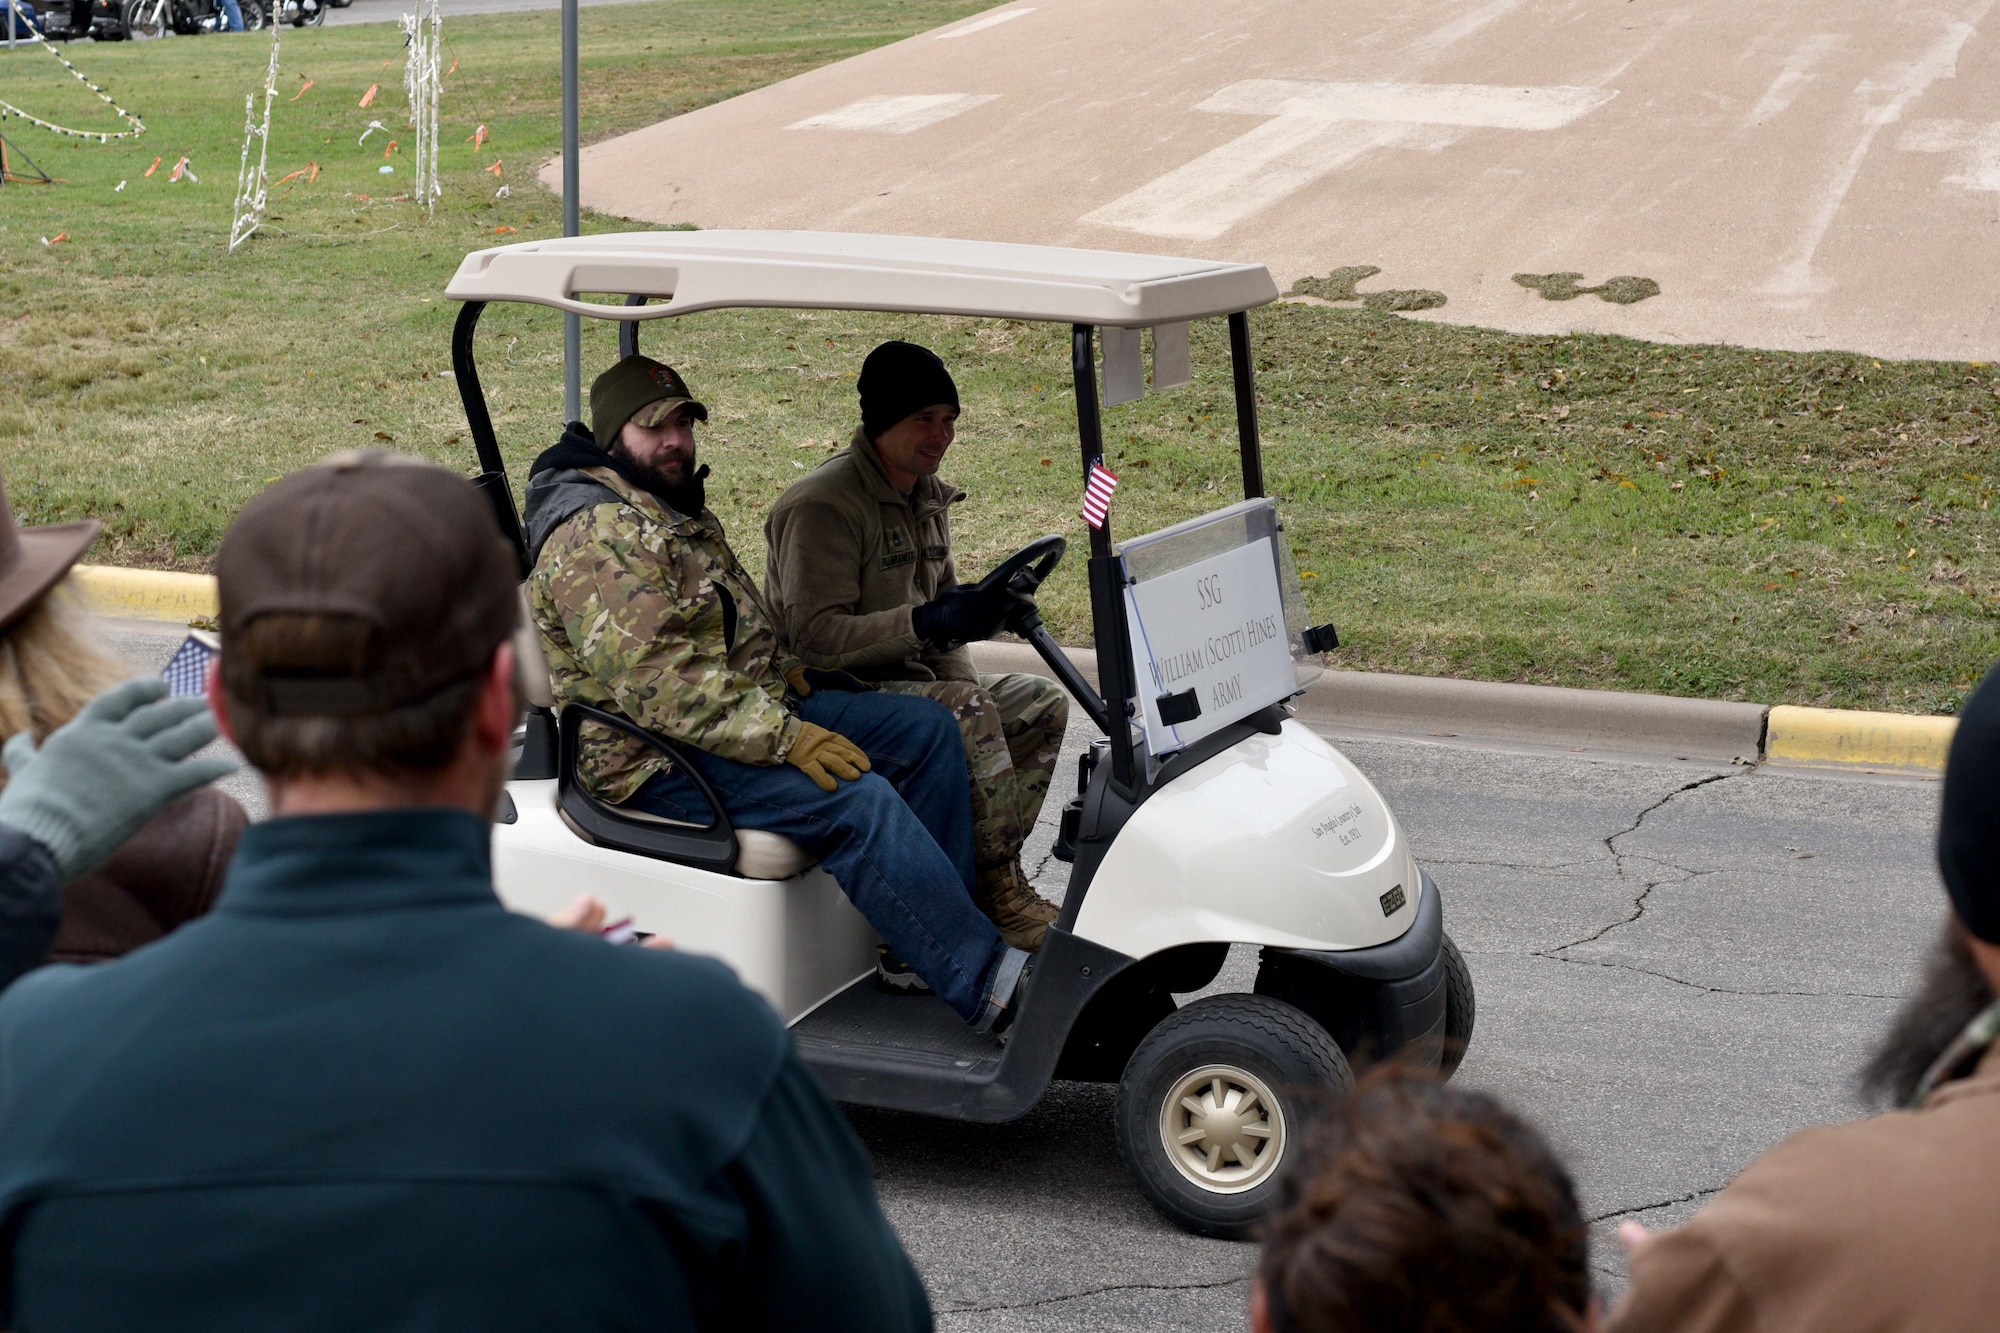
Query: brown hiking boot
1022, 915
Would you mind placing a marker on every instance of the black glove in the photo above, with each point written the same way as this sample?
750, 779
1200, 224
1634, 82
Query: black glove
962, 615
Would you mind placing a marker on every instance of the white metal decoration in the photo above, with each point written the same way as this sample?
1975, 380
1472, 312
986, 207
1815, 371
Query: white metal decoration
251, 186
423, 81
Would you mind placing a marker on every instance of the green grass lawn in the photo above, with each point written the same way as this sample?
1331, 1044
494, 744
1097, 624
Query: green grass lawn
1582, 511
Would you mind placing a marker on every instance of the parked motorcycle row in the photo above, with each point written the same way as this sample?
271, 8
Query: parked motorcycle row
143, 20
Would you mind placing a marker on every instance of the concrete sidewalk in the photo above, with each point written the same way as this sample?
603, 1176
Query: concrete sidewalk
1797, 176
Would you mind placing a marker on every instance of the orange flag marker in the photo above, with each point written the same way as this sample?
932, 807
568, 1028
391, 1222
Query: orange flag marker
390, 149
315, 174
368, 98
497, 231
478, 138
156, 165
302, 92
495, 168
454, 67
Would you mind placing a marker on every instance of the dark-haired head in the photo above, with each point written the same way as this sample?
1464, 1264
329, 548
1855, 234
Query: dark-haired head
1425, 1208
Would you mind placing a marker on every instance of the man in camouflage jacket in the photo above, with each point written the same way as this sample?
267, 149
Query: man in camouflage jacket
644, 610
861, 577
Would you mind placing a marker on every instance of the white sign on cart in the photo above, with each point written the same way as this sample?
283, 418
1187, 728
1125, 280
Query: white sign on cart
1210, 644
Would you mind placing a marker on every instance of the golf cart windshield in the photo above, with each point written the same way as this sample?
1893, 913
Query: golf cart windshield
1107, 298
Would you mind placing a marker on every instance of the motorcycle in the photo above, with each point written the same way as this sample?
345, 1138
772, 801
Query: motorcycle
144, 20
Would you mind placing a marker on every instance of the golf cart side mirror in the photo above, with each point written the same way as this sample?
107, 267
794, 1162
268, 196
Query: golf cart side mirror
709, 847
1321, 638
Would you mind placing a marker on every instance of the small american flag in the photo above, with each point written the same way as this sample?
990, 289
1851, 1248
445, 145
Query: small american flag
187, 673
1097, 490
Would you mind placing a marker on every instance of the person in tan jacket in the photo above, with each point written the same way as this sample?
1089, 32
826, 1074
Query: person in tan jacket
861, 579
1888, 1224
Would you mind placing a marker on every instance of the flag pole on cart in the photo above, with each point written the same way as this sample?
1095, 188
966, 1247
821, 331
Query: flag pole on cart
572, 215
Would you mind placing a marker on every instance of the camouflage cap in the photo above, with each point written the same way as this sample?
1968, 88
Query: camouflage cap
363, 584
638, 389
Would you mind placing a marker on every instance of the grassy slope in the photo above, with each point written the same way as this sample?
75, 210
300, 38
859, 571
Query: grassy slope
1586, 511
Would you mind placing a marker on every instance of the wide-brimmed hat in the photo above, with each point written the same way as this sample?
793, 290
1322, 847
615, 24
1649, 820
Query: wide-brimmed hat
33, 559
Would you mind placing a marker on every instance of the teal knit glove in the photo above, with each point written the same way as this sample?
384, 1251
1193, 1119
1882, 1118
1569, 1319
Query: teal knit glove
96, 780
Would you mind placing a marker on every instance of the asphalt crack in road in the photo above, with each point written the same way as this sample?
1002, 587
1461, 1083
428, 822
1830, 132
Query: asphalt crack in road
1511, 865
1618, 862
1689, 1197
1551, 956
1097, 1291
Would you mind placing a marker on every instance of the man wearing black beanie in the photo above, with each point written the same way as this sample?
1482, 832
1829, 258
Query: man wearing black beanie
1886, 1224
861, 579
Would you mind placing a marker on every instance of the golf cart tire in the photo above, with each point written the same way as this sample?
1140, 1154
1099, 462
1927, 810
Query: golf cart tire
1253, 1044
1460, 1009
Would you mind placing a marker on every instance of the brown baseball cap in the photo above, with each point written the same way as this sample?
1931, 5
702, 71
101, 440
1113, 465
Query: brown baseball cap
363, 584
637, 389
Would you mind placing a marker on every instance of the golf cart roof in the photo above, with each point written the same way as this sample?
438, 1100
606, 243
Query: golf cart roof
686, 271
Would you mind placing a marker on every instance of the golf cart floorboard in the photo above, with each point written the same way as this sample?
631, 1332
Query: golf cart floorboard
867, 1027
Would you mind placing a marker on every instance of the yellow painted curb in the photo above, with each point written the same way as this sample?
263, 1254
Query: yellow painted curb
148, 594
1899, 742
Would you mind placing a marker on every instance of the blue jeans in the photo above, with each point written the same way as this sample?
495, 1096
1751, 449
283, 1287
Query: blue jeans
898, 841
234, 14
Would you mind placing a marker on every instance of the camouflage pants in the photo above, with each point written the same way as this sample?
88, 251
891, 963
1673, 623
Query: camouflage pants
1013, 728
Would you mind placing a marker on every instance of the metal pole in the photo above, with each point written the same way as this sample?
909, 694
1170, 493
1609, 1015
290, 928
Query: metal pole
1248, 442
572, 215
11, 21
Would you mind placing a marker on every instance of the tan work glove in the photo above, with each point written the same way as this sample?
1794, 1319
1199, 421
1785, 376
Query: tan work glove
825, 756
804, 680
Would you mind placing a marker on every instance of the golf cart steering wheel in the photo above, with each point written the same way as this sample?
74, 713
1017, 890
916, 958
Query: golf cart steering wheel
1022, 572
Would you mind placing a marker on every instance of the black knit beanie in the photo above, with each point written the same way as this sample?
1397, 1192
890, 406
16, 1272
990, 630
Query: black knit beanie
898, 380
1969, 829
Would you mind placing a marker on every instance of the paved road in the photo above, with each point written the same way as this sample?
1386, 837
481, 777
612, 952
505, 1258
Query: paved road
1800, 176
1677, 965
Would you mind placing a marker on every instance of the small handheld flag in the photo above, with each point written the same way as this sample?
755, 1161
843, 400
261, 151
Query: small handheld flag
187, 673
1097, 490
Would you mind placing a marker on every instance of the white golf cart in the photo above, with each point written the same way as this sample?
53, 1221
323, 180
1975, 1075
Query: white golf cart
1205, 817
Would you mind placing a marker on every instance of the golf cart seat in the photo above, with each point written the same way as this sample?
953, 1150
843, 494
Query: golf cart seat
717, 845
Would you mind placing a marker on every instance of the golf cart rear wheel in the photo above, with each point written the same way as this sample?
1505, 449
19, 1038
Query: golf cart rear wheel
1211, 1105
1459, 1009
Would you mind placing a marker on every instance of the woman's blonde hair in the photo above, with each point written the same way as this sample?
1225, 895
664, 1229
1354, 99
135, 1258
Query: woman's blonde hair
51, 665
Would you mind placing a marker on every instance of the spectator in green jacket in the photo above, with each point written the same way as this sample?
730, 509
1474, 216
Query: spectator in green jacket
361, 1094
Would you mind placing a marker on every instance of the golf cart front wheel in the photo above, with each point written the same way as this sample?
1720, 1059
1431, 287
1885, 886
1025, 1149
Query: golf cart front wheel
1211, 1105
1459, 1009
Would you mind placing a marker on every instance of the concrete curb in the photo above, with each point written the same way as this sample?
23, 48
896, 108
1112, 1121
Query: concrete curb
1592, 720
1842, 738
147, 594
1603, 720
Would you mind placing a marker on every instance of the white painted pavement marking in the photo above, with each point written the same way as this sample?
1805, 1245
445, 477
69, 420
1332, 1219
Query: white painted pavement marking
1792, 78
1463, 27
1410, 103
982, 24
1903, 84
1979, 141
890, 113
1317, 128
